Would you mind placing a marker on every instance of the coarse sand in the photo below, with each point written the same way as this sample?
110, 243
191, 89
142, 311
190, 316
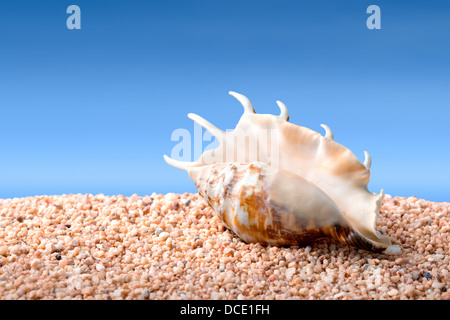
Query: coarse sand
174, 247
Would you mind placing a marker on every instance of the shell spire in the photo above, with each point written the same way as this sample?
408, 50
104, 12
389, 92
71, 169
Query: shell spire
328, 133
367, 160
178, 164
216, 132
284, 115
248, 108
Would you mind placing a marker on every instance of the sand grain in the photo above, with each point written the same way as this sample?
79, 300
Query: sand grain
173, 247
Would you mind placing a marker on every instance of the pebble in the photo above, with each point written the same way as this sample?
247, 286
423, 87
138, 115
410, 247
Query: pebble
338, 295
215, 296
393, 292
437, 285
328, 279
290, 272
158, 231
99, 267
3, 250
36, 263
436, 257
164, 235
427, 275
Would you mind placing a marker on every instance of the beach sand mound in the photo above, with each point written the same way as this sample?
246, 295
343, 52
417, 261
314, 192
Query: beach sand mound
173, 247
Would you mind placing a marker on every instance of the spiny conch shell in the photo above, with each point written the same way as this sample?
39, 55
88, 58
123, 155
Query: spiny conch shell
276, 183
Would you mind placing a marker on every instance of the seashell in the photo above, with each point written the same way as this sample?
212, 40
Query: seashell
277, 183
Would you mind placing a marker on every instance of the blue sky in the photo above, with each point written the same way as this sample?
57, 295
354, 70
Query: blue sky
93, 110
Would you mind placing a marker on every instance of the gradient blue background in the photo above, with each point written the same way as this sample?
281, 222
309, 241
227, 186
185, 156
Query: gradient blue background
93, 110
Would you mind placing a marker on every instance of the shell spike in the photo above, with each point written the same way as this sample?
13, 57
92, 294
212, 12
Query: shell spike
284, 115
367, 161
216, 132
178, 164
328, 133
248, 107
